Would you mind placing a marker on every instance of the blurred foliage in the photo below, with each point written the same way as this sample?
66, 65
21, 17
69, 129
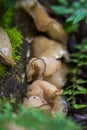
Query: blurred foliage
75, 11
33, 119
77, 84
16, 41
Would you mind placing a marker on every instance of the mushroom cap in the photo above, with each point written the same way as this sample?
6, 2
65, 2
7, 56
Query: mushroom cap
34, 91
60, 77
35, 69
38, 68
34, 101
5, 47
42, 46
49, 89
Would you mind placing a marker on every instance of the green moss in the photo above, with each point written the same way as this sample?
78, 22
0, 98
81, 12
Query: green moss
14, 35
6, 20
16, 41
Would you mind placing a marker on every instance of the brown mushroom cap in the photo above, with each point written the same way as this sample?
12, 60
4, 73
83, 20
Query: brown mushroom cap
37, 102
34, 91
38, 68
5, 47
42, 46
35, 69
60, 77
49, 90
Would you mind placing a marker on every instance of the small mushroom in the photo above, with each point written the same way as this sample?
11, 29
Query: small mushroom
59, 105
59, 78
36, 102
43, 21
42, 46
11, 126
39, 68
5, 47
35, 69
49, 90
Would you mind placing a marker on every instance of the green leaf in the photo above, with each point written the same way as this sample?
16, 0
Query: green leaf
86, 20
63, 2
79, 106
76, 5
77, 92
61, 10
77, 16
67, 92
82, 89
76, 55
69, 27
81, 81
82, 63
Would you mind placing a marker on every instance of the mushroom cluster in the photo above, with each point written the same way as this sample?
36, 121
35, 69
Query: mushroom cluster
45, 72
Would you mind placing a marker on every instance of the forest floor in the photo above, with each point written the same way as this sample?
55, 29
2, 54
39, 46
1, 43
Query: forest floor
15, 82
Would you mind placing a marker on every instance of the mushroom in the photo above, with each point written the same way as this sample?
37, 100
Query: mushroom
49, 90
5, 47
59, 105
36, 102
39, 68
35, 69
11, 126
42, 46
43, 21
34, 91
59, 78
